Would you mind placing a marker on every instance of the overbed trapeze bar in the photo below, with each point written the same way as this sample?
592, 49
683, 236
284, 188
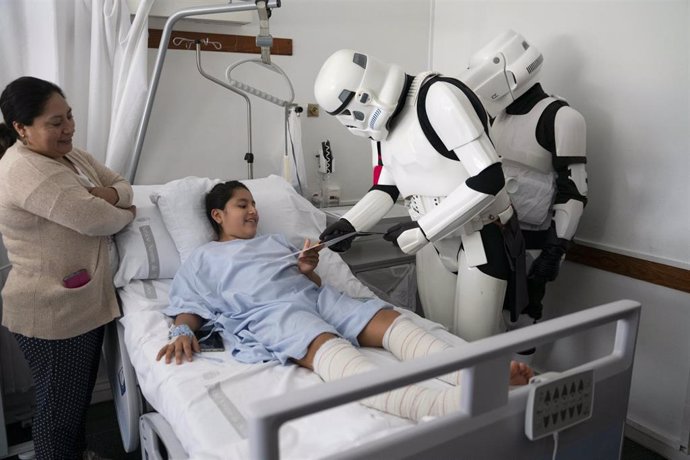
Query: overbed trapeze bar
160, 58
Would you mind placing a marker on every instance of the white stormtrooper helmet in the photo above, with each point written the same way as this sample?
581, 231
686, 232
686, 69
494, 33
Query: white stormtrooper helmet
360, 91
502, 71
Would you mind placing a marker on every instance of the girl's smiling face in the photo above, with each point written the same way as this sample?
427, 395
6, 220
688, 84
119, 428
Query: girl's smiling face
239, 218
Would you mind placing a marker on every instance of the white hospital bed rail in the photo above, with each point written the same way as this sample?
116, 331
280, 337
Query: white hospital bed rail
490, 424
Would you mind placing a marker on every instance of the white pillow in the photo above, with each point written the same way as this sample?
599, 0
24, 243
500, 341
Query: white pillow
181, 203
145, 247
281, 210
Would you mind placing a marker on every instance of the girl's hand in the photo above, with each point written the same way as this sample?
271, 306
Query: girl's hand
308, 258
182, 346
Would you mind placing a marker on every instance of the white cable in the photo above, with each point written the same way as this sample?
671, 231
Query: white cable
555, 445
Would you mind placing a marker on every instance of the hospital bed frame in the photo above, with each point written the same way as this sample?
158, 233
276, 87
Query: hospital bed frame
489, 425
491, 421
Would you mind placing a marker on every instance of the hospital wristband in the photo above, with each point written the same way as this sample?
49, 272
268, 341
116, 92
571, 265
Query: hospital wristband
179, 330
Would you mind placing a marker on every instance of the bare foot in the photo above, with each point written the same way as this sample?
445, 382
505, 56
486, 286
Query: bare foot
520, 373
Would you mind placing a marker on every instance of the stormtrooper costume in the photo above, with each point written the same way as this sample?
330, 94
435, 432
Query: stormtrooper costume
542, 143
430, 145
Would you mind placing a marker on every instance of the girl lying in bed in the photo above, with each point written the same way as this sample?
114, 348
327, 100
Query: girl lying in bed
271, 308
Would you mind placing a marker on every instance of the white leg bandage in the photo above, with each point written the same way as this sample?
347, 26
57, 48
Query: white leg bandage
408, 341
337, 358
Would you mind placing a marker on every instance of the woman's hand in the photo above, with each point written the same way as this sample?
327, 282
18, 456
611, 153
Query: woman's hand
109, 194
182, 346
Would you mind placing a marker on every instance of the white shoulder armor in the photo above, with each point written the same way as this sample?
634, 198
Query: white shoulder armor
570, 133
452, 116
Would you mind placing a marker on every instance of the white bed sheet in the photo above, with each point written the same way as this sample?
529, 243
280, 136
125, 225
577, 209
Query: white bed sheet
205, 400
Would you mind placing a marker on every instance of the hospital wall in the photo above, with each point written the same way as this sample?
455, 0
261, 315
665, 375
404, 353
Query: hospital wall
622, 64
625, 66
199, 128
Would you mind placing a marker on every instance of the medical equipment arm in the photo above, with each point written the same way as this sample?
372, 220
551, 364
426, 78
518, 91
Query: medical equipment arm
364, 215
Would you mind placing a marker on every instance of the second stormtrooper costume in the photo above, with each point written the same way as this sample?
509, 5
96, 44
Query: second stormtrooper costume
430, 144
546, 179
542, 142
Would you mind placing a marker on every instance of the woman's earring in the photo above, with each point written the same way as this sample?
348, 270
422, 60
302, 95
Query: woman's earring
22, 137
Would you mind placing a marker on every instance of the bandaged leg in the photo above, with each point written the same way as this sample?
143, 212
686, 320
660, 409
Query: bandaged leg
408, 341
337, 358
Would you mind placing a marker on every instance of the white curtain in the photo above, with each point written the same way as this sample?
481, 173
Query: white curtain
130, 85
90, 49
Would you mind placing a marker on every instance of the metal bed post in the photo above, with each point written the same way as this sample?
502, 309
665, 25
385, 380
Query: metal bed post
160, 58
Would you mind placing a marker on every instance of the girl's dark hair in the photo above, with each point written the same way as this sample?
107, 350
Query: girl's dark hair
22, 101
219, 195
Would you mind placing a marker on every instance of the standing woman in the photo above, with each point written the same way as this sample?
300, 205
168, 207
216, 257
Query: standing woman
58, 206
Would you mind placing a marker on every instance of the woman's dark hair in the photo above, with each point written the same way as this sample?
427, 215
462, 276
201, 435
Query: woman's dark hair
22, 101
219, 195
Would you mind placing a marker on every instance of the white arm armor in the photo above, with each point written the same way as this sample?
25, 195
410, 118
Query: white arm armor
455, 121
369, 210
570, 132
571, 137
567, 217
456, 210
460, 129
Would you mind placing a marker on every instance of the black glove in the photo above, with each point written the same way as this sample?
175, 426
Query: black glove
535, 293
393, 233
336, 229
545, 267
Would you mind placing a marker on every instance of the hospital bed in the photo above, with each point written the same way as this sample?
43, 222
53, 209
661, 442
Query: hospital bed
215, 407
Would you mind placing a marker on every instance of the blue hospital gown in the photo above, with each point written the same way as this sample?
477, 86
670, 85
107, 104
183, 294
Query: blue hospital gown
260, 301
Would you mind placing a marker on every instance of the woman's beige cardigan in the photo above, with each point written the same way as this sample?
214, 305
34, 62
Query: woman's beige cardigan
52, 226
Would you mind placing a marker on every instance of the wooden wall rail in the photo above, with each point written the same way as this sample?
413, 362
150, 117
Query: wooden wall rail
645, 270
227, 43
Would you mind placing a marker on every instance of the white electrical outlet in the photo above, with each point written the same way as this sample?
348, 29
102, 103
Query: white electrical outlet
558, 401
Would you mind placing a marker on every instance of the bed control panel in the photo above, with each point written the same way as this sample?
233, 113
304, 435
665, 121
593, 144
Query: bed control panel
558, 401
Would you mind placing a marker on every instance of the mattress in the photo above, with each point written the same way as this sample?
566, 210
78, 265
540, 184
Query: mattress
205, 401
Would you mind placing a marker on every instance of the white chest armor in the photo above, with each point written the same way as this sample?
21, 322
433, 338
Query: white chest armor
418, 169
515, 139
528, 167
